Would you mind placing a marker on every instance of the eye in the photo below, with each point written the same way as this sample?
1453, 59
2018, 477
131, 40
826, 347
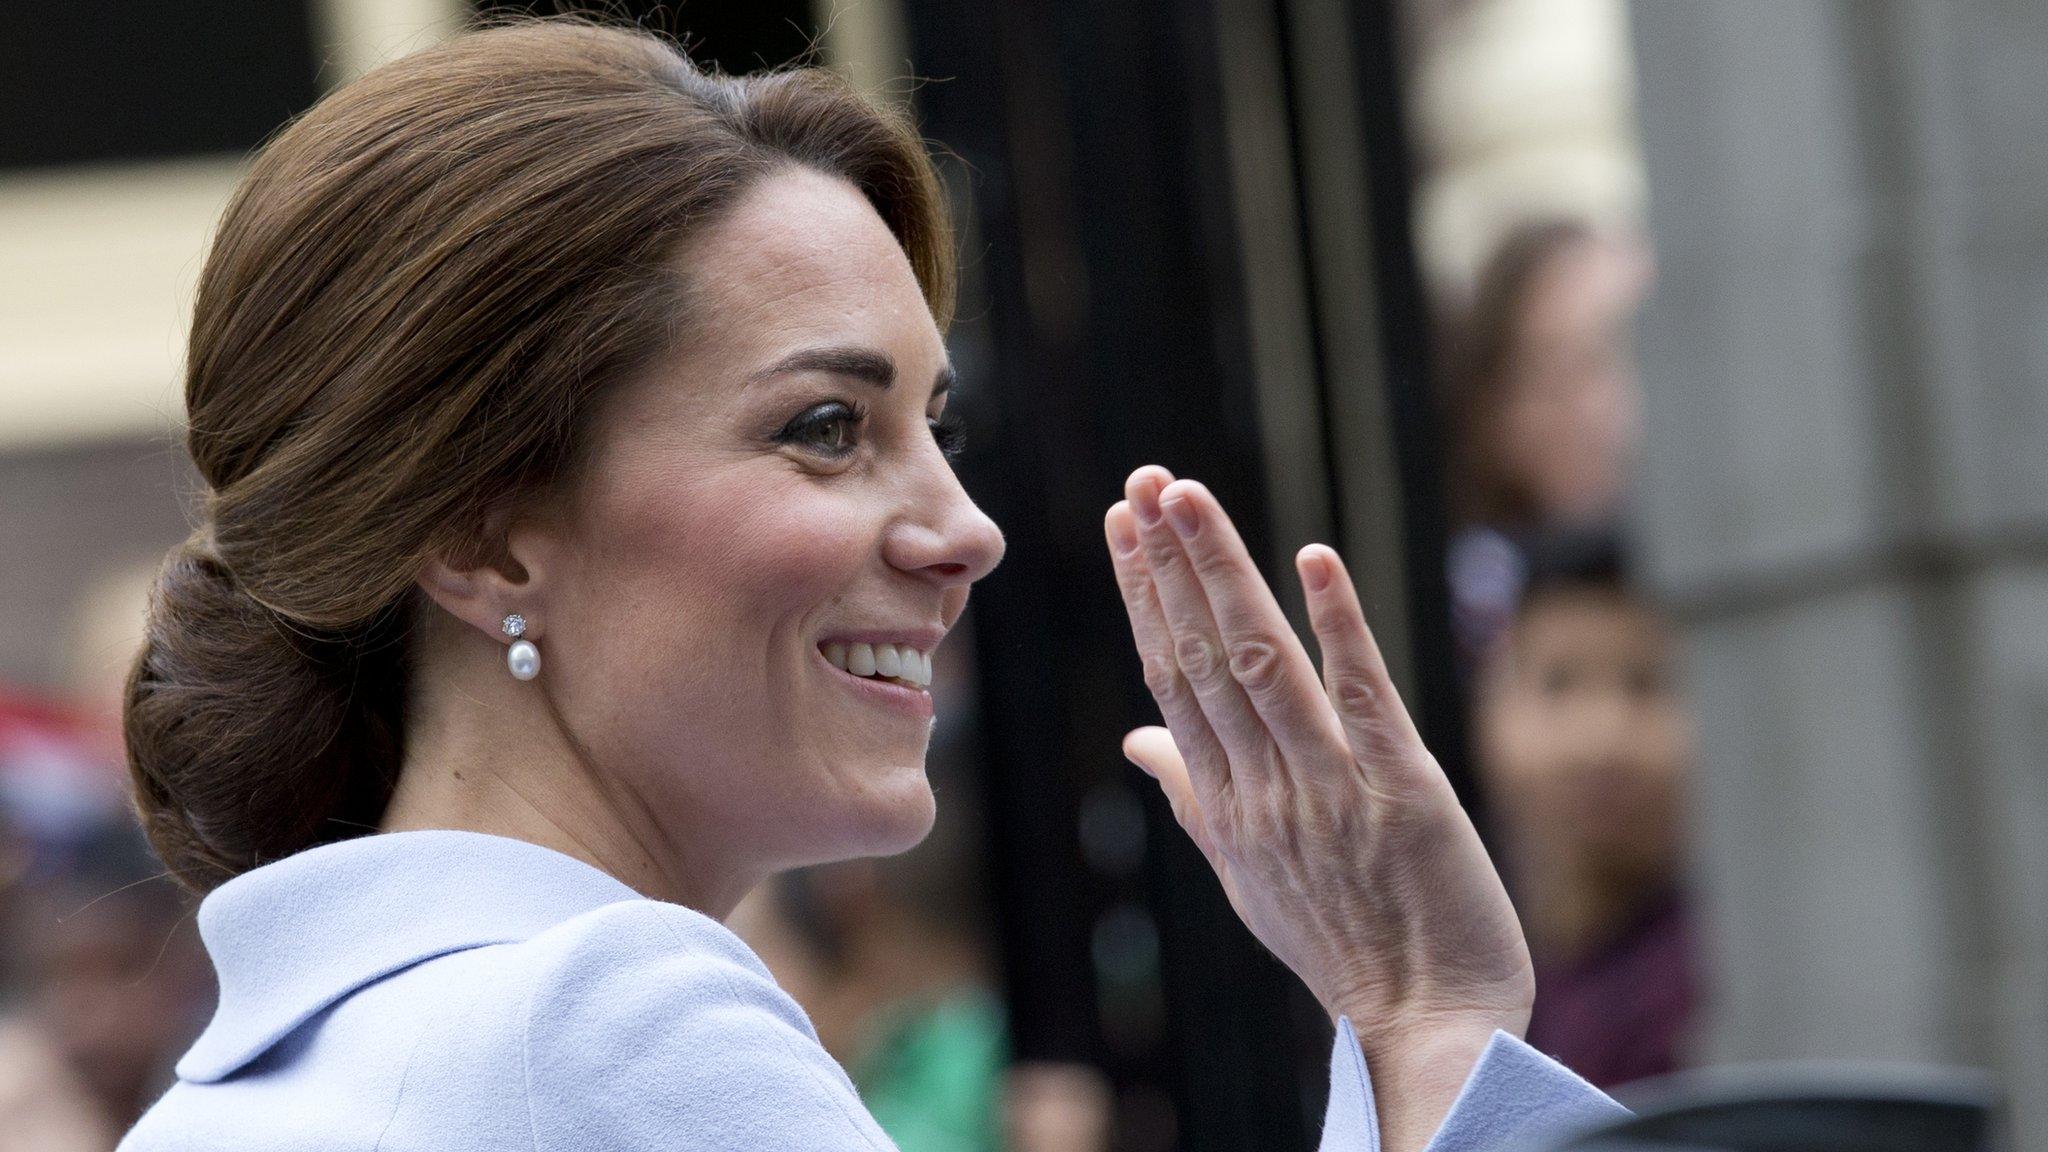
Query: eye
949, 433
830, 430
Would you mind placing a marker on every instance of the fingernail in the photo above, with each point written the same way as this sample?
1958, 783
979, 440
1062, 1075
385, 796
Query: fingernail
1145, 498
1121, 537
1182, 513
1315, 572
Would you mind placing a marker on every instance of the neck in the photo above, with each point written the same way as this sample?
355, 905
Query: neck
490, 754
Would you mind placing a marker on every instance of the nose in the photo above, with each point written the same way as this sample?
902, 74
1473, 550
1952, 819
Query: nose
944, 537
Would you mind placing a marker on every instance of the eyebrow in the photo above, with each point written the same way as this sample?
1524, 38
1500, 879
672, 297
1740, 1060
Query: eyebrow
863, 364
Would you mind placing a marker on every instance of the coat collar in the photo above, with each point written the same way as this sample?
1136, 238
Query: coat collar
293, 937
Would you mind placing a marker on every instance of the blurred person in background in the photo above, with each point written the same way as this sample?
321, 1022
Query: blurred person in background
111, 971
1584, 745
1544, 406
886, 959
43, 1106
47, 805
1057, 1106
897, 981
105, 979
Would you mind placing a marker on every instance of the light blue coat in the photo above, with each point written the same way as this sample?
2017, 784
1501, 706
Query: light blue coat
450, 991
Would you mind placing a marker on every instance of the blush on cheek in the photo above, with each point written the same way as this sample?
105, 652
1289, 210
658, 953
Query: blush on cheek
745, 520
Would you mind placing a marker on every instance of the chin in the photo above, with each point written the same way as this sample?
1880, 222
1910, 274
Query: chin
906, 819
893, 815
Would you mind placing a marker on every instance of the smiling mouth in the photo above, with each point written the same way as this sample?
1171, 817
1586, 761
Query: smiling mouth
894, 663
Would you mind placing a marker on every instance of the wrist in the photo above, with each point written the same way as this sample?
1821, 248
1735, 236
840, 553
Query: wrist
1418, 1070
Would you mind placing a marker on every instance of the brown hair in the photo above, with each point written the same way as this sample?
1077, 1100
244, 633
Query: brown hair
410, 306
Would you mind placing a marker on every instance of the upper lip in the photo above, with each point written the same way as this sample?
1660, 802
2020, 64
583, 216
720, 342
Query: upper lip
922, 639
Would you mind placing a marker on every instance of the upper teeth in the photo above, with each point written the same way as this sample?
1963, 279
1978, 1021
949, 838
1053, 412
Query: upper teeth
896, 661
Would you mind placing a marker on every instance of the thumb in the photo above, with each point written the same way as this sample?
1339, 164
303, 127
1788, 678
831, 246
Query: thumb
1152, 749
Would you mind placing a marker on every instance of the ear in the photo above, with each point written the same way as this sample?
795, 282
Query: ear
505, 572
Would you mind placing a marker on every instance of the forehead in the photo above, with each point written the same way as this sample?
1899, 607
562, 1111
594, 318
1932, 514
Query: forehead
802, 257
1600, 620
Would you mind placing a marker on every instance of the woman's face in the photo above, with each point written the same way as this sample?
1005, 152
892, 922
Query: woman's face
1569, 416
763, 505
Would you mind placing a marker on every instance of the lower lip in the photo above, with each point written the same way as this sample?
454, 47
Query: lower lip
912, 702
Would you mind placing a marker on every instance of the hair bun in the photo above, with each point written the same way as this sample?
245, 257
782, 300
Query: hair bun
248, 732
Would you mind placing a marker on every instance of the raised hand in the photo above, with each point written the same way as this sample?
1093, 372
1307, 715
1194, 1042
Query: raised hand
1333, 830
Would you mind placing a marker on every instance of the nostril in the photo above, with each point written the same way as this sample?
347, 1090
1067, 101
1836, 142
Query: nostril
949, 569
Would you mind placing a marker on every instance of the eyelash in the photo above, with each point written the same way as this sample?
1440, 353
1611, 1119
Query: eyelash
951, 437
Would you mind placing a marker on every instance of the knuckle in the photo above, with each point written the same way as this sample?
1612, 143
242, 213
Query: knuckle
1163, 555
1197, 657
1254, 826
1356, 694
1162, 675
1256, 663
1333, 819
1348, 814
1211, 561
1136, 585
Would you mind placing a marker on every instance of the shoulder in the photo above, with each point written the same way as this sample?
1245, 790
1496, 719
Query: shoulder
650, 1025
641, 969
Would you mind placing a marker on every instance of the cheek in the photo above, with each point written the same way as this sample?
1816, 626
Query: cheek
1514, 735
699, 594
765, 553
1666, 742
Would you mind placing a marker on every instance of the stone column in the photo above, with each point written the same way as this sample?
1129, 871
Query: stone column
1846, 501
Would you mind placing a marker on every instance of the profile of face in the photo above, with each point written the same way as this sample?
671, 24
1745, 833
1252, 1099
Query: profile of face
1568, 420
767, 513
1584, 740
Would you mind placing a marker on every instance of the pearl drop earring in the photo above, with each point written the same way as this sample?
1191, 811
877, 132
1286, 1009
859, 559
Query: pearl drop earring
523, 659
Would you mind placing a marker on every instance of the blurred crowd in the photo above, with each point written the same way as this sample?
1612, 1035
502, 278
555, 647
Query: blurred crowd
104, 982
1580, 733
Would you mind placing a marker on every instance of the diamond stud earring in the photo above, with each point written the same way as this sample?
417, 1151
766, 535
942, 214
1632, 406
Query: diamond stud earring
522, 658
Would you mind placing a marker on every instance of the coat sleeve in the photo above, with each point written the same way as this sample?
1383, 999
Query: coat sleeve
657, 1029
1514, 1094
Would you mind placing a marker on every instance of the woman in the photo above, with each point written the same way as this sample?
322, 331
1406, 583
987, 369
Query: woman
579, 521
1546, 402
1544, 410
